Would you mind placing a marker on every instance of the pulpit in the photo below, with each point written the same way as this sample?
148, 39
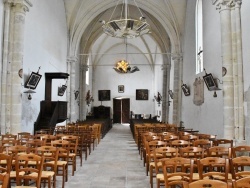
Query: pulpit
51, 112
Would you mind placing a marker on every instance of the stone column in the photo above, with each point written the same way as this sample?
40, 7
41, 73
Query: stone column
18, 11
165, 88
247, 129
240, 91
4, 69
83, 106
72, 104
224, 7
235, 75
177, 58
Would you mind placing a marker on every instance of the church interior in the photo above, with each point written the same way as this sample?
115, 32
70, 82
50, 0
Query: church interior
179, 63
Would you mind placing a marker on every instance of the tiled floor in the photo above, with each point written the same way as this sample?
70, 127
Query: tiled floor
115, 163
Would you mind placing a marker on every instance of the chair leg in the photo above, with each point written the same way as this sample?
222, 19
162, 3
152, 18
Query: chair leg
49, 182
66, 166
54, 181
81, 158
89, 148
159, 183
63, 179
73, 165
65, 174
86, 153
147, 168
151, 175
144, 158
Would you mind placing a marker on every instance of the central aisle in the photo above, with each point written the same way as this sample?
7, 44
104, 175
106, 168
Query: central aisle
115, 163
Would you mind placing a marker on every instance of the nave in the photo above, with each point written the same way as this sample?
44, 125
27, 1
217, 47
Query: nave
115, 163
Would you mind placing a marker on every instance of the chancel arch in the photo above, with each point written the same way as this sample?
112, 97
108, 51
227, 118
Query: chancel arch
165, 32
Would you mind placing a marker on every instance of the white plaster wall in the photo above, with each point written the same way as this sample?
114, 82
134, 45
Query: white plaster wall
246, 62
207, 118
45, 46
1, 30
149, 77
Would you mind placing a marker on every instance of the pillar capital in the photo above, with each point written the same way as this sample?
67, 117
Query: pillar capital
177, 57
23, 4
84, 67
72, 59
166, 66
238, 3
223, 4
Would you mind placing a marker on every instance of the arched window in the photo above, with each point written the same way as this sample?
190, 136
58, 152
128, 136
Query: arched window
199, 36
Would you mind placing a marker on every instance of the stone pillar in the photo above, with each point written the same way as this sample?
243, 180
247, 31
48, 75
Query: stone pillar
4, 70
235, 75
247, 129
165, 88
177, 85
224, 7
241, 123
72, 104
83, 105
14, 92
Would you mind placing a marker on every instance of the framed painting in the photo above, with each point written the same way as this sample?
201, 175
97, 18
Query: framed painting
33, 80
141, 94
61, 90
210, 82
121, 89
104, 95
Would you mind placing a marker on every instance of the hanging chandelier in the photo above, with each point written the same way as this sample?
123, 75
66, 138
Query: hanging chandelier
123, 66
125, 27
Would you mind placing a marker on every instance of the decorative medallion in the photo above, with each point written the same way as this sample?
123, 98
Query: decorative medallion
20, 73
224, 71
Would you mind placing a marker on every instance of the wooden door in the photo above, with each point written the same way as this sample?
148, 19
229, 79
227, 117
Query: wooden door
117, 110
121, 108
125, 110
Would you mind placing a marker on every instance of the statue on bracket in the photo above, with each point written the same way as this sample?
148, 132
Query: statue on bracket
89, 98
198, 91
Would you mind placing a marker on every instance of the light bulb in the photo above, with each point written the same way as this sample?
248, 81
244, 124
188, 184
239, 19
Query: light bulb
29, 96
215, 94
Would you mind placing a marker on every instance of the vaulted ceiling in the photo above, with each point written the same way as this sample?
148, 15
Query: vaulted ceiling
166, 19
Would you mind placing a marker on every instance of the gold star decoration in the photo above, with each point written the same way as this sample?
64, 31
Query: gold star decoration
122, 66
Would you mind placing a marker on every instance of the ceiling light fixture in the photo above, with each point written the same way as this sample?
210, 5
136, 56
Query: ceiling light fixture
125, 27
29, 93
123, 66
